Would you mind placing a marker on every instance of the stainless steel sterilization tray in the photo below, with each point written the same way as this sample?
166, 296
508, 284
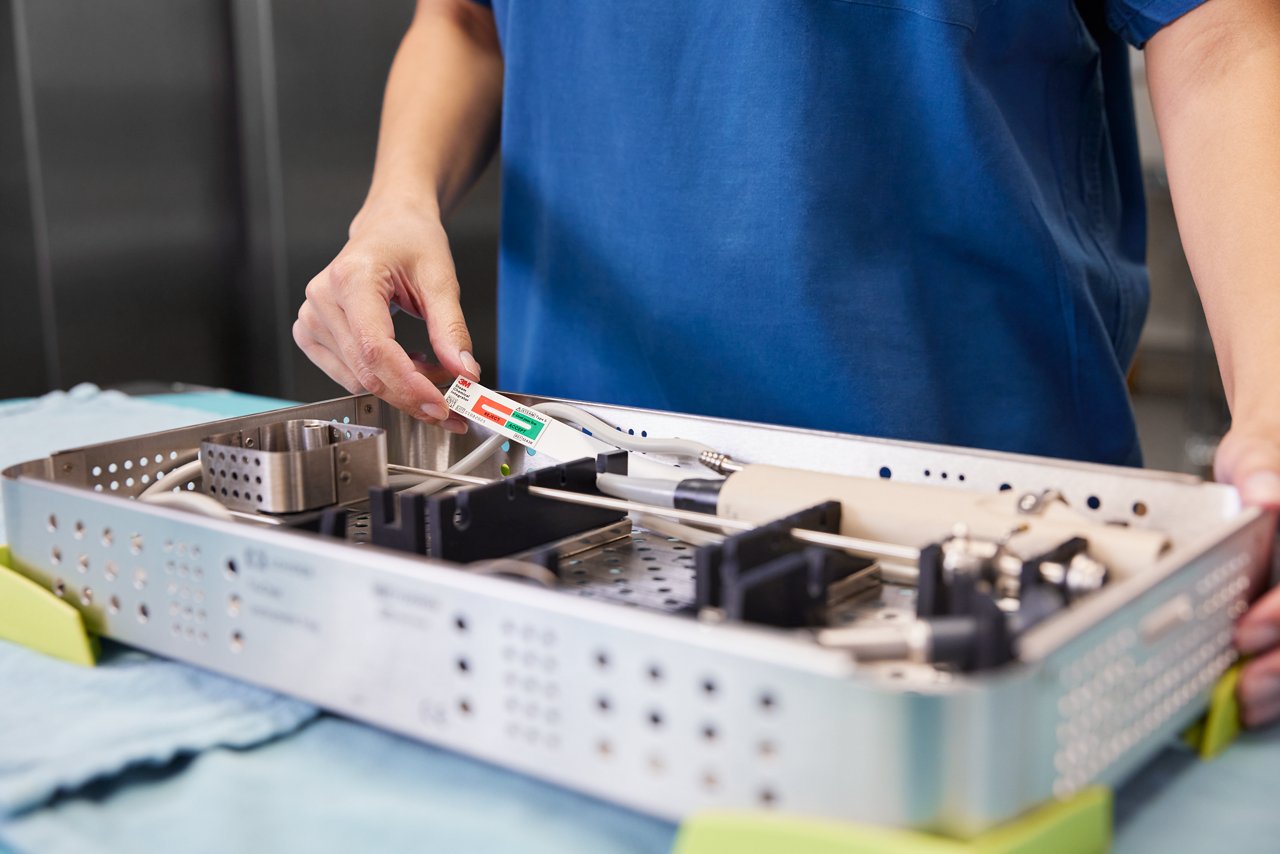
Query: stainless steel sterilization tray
606, 685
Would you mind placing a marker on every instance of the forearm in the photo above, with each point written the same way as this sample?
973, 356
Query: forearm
1215, 82
440, 114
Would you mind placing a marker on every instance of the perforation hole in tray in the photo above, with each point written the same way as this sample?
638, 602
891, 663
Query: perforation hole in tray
531, 688
97, 558
635, 706
1122, 691
131, 474
641, 570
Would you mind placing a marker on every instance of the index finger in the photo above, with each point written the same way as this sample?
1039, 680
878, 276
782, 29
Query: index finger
1259, 629
384, 368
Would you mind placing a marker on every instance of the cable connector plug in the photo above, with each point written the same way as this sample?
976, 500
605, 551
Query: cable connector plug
719, 463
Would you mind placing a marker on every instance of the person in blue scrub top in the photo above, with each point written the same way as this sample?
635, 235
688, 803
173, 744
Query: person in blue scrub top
920, 219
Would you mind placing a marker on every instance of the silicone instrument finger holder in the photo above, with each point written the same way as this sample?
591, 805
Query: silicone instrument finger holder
35, 618
1221, 723
1079, 825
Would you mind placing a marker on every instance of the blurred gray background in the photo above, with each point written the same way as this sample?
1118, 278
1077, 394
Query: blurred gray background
173, 172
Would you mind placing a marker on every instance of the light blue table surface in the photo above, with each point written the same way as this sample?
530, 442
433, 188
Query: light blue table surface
334, 785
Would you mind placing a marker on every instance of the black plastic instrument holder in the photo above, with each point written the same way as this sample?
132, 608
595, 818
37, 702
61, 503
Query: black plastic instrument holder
932, 599
766, 576
980, 635
1063, 553
501, 518
333, 523
404, 531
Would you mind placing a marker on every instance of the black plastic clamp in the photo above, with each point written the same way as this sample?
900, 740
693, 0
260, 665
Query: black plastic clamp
498, 519
752, 576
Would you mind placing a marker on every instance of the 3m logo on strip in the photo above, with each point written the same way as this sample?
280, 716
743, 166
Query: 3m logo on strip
505, 416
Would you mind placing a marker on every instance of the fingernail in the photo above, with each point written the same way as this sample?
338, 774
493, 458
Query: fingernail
435, 410
1256, 637
1261, 488
469, 362
455, 424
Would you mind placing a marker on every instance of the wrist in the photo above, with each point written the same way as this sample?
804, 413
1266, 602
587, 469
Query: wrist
397, 204
1255, 403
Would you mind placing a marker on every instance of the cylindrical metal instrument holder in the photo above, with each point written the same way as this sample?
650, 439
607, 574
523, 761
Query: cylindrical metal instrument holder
291, 466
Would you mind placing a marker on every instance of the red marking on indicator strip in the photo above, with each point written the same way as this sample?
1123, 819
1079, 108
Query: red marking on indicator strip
490, 409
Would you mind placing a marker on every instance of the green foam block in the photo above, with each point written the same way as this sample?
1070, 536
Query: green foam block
33, 617
1078, 825
1221, 723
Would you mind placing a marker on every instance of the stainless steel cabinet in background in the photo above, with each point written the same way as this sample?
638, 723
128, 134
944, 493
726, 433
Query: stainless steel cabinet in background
24, 356
173, 172
129, 213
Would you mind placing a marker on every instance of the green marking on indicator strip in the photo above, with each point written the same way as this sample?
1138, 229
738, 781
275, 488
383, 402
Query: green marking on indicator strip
529, 428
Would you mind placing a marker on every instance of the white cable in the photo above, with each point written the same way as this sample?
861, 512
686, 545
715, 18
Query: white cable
686, 533
575, 415
606, 432
177, 477
401, 482
465, 465
642, 490
193, 502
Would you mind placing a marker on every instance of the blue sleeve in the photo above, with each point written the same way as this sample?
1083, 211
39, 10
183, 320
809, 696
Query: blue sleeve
1136, 21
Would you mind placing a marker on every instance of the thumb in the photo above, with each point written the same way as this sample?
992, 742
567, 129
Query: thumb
1250, 461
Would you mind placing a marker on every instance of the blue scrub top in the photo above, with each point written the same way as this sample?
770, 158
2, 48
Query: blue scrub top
920, 219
